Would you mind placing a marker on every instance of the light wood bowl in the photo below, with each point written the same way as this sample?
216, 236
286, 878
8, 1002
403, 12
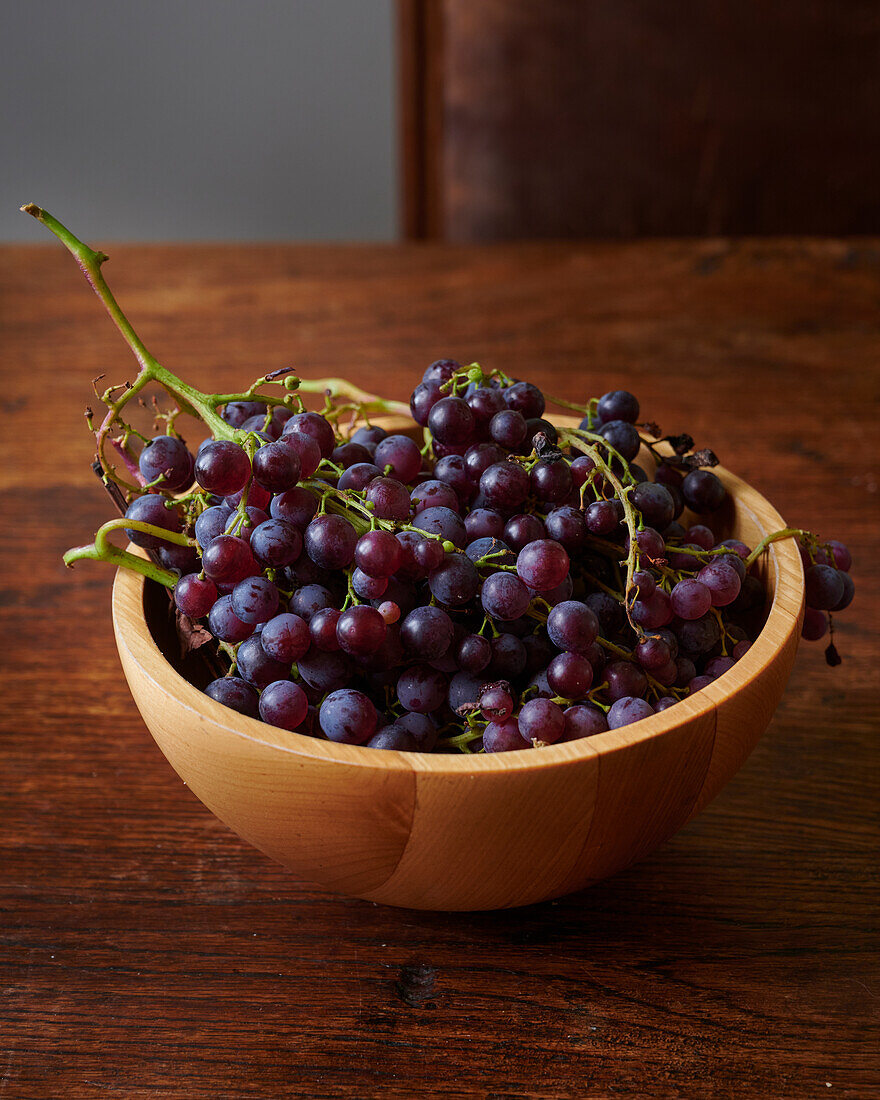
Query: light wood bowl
461, 832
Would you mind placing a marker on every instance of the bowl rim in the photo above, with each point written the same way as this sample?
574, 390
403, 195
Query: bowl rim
783, 620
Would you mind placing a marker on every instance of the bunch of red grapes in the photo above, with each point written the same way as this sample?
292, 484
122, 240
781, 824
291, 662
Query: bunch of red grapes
482, 592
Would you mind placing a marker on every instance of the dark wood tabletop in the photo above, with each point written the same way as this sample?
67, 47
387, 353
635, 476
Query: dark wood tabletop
147, 951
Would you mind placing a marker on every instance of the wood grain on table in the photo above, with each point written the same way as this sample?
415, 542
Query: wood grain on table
146, 951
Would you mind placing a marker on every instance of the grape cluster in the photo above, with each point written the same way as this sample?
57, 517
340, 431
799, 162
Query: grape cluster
508, 585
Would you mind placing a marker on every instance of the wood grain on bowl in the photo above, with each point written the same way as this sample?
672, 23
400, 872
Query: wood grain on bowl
402, 828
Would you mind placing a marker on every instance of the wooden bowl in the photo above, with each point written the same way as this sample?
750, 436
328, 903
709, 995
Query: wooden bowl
461, 832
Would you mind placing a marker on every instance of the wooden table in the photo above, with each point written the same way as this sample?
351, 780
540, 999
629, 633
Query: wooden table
147, 951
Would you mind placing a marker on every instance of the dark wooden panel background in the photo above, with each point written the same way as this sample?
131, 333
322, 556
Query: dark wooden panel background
622, 118
145, 951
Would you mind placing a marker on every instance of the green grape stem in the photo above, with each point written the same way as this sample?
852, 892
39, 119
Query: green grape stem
104, 550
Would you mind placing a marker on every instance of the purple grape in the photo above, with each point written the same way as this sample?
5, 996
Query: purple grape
420, 728
691, 599
443, 522
504, 596
309, 599
502, 736
699, 635
350, 454
718, 666
276, 467
496, 551
618, 405
428, 555
653, 652
505, 486
722, 581
583, 720
360, 630
296, 506
367, 587
474, 653
700, 535
484, 523
508, 658
508, 429
603, 517
222, 467
485, 402
285, 638
151, 509
423, 398
168, 457
211, 523
195, 595
702, 491
393, 737
655, 503
623, 437
551, 481
698, 683
276, 543
235, 694
451, 421
520, 530
664, 703
525, 398
824, 587
624, 678
567, 526
225, 625
427, 632
256, 666
322, 629
542, 564
304, 446
228, 559
324, 671
434, 494
541, 720
441, 370
389, 497
330, 542
316, 426
255, 600
348, 717
626, 710
283, 704
237, 412
570, 675
401, 454
572, 627
496, 701
455, 582
421, 688
849, 590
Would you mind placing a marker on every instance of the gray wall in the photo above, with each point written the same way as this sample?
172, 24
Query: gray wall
198, 119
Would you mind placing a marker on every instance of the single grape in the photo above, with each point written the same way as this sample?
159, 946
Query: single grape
389, 497
624, 678
698, 636
653, 652
618, 405
824, 587
583, 720
420, 728
350, 454
623, 437
237, 412
167, 457
276, 467
542, 564
484, 523
316, 426
722, 580
603, 517
570, 675
401, 454
489, 554
502, 736
504, 596
505, 486
256, 666
324, 671
520, 530
255, 600
691, 599
525, 398
573, 627
285, 638
393, 737
484, 402
474, 653
664, 703
276, 543
360, 630
626, 710
225, 625
348, 717
322, 629
421, 688
434, 494
541, 720
151, 509
441, 370
234, 693
359, 476
700, 535
702, 491
330, 542
443, 522
718, 666
496, 701
508, 429
426, 632
455, 581
607, 610
390, 611
508, 658
228, 559
222, 467
551, 481
283, 704
698, 683
849, 590
195, 595
296, 506
211, 523
451, 421
311, 598
367, 587
567, 526
423, 398
655, 503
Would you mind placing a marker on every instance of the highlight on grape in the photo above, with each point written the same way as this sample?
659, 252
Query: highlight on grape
504, 584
